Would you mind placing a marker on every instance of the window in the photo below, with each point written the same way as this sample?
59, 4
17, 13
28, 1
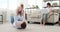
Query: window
3, 4
12, 4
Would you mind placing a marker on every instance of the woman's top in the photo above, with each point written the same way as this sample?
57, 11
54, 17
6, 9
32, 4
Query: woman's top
20, 12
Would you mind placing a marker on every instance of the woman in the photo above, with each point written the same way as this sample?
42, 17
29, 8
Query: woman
19, 20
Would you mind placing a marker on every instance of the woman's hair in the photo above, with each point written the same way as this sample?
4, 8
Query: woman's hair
23, 25
22, 5
49, 4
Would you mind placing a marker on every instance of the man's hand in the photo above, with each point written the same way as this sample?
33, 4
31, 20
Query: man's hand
51, 13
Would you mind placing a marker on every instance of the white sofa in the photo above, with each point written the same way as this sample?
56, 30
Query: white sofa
33, 15
53, 18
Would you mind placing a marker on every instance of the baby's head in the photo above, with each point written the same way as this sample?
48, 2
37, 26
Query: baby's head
23, 25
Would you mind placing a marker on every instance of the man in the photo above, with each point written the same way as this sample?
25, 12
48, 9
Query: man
45, 13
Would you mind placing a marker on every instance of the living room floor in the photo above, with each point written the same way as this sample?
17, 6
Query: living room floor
7, 27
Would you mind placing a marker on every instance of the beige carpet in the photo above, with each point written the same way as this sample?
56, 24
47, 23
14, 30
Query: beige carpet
7, 27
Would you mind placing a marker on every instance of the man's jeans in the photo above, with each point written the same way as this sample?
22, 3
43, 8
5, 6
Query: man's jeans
12, 19
44, 17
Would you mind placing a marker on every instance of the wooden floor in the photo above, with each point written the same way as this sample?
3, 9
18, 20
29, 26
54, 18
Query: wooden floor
7, 27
